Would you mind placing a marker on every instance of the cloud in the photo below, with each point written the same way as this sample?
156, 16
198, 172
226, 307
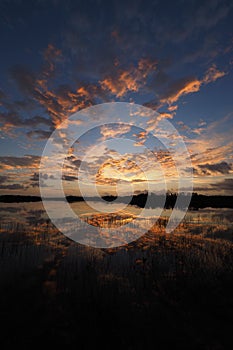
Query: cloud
12, 119
39, 134
28, 161
218, 10
222, 187
132, 168
109, 170
15, 186
210, 169
51, 54
73, 162
130, 80
61, 100
3, 178
114, 130
69, 178
213, 144
172, 108
141, 137
180, 88
225, 185
6, 183
199, 129
36, 180
189, 85
213, 74
58, 102
24, 78
174, 90
201, 154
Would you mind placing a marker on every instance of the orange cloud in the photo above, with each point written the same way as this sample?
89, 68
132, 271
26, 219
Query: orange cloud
213, 74
191, 86
51, 54
188, 88
110, 132
128, 80
60, 105
172, 108
121, 170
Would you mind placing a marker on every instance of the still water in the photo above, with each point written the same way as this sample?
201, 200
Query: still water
217, 223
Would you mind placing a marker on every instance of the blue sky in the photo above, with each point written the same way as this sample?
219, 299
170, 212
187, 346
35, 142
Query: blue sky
58, 57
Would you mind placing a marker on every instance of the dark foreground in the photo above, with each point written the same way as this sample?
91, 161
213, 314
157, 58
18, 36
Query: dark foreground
162, 292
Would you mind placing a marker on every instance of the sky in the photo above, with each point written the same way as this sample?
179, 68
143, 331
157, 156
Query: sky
60, 57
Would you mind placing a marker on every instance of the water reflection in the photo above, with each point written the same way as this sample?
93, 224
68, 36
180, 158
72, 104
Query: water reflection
209, 222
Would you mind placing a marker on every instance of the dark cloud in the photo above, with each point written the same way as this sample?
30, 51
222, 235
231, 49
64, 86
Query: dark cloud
39, 134
37, 120
69, 178
34, 180
10, 119
28, 161
225, 185
35, 176
13, 119
58, 102
5, 184
138, 180
74, 162
24, 78
3, 179
12, 187
209, 169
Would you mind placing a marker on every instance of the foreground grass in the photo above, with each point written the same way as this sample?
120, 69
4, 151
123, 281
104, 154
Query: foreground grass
159, 292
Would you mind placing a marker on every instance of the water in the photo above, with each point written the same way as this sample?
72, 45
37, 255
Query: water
28, 216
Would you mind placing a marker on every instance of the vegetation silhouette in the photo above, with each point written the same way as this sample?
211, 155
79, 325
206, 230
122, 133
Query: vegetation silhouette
142, 200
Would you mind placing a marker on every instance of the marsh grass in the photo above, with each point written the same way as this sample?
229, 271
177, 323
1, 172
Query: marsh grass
161, 290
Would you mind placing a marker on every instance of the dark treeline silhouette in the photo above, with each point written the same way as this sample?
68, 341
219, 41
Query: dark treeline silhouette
141, 200
201, 201
153, 201
19, 198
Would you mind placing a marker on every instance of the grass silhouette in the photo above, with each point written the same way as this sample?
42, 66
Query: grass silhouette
161, 290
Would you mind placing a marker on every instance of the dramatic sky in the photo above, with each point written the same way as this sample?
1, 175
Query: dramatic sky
60, 56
